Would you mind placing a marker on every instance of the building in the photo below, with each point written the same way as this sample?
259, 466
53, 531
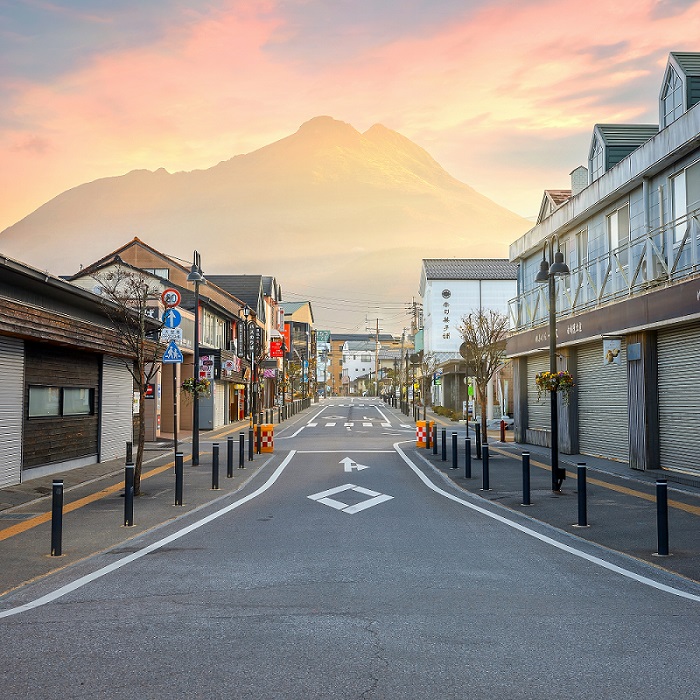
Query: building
451, 289
68, 395
300, 341
627, 314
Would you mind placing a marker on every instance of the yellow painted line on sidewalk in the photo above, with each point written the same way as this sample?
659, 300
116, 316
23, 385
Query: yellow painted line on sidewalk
678, 505
74, 505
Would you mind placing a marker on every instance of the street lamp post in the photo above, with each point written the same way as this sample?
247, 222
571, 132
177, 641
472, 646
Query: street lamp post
197, 277
547, 274
250, 355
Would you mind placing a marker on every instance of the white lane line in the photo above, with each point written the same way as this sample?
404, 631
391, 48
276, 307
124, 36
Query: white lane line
387, 421
330, 425
89, 578
645, 580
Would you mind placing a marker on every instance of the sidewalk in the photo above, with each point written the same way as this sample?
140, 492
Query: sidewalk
93, 512
621, 502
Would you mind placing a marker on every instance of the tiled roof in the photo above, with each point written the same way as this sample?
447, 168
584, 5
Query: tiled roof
626, 134
558, 196
689, 62
247, 288
470, 269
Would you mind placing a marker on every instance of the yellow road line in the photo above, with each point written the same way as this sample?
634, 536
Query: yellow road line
678, 505
19, 528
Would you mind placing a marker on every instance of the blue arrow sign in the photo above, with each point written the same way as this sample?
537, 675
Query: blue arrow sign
172, 318
172, 354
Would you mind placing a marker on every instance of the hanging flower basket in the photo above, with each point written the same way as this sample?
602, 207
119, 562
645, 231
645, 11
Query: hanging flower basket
554, 381
192, 386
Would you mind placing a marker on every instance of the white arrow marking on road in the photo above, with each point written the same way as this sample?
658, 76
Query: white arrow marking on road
350, 465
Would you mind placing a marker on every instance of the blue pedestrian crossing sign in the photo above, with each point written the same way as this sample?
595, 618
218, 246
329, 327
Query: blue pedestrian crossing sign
172, 354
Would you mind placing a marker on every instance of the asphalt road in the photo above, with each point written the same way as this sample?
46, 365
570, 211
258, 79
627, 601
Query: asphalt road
349, 568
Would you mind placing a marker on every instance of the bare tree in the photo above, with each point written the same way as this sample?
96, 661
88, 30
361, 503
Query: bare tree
428, 364
131, 303
484, 335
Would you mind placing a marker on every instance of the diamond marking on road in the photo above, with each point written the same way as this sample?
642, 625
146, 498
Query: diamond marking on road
375, 498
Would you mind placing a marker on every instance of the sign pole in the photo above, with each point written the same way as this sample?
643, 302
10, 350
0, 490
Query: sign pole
175, 407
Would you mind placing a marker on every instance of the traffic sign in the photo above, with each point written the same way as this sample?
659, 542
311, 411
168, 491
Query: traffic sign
170, 297
172, 354
172, 318
168, 334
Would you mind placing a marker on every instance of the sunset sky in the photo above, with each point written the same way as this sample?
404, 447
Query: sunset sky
503, 94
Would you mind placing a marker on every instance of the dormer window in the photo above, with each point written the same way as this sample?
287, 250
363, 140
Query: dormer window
671, 98
596, 162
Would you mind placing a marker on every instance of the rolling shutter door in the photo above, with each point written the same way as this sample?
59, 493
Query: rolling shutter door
539, 417
602, 403
679, 397
11, 410
116, 419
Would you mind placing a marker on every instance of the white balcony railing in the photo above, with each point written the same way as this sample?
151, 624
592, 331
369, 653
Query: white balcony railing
647, 261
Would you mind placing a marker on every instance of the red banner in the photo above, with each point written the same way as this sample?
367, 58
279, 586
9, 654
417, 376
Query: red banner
276, 348
287, 333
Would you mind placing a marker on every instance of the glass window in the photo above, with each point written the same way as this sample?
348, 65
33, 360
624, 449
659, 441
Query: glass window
77, 401
679, 207
44, 401
671, 98
619, 234
596, 164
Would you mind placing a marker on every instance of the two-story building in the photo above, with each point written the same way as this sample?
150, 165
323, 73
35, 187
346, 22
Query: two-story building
451, 289
627, 314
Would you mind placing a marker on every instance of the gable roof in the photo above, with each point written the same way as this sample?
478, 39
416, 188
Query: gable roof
688, 62
626, 134
247, 288
470, 269
550, 201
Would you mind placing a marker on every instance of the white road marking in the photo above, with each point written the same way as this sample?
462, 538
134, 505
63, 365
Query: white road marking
543, 538
330, 425
350, 464
349, 425
366, 425
324, 497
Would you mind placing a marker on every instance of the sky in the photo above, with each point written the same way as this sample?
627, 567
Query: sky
503, 94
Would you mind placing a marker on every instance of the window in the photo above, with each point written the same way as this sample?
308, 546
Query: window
52, 401
596, 162
44, 401
685, 196
582, 247
77, 402
619, 236
162, 272
671, 98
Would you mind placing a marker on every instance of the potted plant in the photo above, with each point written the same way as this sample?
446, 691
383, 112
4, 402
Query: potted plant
554, 381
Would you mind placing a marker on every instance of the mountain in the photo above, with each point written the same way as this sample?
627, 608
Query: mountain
328, 210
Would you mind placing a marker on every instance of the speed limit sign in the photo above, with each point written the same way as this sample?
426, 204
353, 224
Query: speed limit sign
170, 297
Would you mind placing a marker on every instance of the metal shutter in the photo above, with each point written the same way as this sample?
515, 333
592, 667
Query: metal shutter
116, 418
603, 418
539, 417
679, 397
11, 410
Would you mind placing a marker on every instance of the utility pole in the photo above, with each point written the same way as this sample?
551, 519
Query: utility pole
376, 354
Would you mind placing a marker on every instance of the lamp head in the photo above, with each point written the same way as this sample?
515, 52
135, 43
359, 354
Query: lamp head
543, 274
559, 267
195, 275
246, 311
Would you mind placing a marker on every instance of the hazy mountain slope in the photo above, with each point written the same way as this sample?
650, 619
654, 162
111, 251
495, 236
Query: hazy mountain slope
303, 209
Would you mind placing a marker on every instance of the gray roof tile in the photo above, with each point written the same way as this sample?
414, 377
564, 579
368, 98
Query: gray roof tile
470, 269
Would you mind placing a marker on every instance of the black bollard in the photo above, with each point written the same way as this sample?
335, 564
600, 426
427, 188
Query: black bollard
229, 457
215, 467
662, 516
251, 444
485, 485
467, 458
477, 430
241, 451
259, 445
582, 497
129, 495
443, 437
57, 519
526, 479
179, 477
435, 440
454, 450
129, 452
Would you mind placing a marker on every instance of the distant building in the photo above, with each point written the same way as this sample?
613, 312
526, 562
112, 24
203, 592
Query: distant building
451, 289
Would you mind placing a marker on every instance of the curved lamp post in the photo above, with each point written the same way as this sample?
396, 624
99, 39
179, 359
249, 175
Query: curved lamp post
197, 277
547, 273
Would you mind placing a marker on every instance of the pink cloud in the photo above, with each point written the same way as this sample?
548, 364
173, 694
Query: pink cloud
212, 87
